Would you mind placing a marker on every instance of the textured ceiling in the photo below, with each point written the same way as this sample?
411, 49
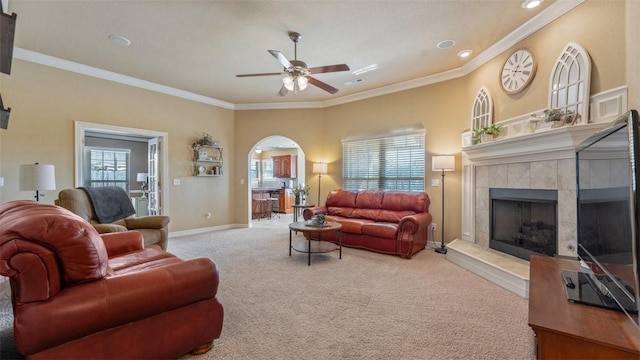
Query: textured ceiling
199, 46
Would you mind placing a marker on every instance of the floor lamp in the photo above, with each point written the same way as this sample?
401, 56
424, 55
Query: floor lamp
319, 168
443, 163
37, 177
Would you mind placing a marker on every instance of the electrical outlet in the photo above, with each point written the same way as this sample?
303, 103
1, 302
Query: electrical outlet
433, 227
208, 215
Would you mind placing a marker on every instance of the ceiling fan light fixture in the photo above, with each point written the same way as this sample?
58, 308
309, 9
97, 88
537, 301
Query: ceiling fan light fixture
288, 82
302, 82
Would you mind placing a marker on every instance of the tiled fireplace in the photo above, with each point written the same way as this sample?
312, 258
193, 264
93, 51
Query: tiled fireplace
522, 161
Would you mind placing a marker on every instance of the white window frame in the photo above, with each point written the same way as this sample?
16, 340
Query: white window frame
369, 163
124, 184
570, 82
482, 110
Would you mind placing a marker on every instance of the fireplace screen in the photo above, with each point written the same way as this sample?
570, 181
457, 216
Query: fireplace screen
523, 222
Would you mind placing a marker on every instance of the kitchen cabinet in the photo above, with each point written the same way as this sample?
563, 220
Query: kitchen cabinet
285, 166
285, 200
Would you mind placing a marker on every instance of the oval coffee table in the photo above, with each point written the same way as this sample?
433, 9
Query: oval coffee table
314, 246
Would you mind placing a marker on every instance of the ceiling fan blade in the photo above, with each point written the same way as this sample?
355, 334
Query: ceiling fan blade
329, 68
259, 74
281, 58
283, 91
322, 85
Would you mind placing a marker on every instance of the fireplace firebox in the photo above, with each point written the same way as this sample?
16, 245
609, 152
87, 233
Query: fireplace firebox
523, 221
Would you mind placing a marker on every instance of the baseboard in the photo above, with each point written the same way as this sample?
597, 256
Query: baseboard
190, 232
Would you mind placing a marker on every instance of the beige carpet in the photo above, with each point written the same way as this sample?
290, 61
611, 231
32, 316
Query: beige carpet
365, 306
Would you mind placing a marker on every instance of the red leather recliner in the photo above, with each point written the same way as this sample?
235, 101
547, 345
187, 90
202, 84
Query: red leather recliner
77, 294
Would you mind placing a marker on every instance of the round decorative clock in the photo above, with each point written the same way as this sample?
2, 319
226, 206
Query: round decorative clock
518, 71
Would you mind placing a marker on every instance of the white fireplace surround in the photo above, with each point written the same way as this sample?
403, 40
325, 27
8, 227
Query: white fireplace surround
522, 160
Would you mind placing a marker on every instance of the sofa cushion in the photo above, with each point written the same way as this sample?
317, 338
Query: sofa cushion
369, 199
393, 216
341, 198
340, 211
412, 201
363, 213
381, 230
353, 226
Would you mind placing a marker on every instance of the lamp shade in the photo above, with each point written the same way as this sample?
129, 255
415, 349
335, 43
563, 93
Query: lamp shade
37, 177
142, 177
443, 163
319, 168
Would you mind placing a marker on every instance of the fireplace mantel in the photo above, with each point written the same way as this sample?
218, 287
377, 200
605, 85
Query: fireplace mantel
557, 143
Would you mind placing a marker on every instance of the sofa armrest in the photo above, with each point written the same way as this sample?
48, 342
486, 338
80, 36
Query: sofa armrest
108, 228
95, 306
120, 243
308, 213
414, 227
147, 222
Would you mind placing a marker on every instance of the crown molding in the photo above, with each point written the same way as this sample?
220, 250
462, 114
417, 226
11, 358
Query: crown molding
42, 59
551, 13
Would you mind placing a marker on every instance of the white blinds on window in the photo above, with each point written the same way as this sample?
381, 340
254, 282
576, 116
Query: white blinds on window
386, 162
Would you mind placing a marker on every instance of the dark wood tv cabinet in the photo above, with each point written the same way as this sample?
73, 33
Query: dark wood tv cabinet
566, 330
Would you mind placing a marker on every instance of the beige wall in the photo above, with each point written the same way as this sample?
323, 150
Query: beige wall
46, 101
444, 109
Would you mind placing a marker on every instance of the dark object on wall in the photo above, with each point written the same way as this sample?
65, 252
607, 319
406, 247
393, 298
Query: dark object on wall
4, 115
7, 33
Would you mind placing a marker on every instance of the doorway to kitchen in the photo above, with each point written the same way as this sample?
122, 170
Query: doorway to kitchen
276, 166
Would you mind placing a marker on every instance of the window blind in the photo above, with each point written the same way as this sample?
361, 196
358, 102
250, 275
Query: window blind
391, 162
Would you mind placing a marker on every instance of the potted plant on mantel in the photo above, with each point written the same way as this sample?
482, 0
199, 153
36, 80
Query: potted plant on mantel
486, 134
300, 191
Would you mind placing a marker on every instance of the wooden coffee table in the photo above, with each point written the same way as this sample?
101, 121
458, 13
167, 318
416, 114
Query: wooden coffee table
314, 246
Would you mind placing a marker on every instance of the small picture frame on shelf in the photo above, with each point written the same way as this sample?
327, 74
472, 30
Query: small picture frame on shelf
202, 155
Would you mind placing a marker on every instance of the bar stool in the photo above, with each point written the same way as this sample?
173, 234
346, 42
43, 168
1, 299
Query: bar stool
275, 206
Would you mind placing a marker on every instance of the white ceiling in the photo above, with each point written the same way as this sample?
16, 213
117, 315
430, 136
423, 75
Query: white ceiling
195, 48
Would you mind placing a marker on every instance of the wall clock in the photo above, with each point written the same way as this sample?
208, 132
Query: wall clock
518, 71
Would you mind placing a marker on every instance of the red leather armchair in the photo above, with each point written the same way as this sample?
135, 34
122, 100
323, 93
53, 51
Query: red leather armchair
77, 294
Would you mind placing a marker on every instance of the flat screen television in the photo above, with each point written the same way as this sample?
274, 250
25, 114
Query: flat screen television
607, 208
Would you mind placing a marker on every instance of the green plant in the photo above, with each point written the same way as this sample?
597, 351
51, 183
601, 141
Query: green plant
493, 129
203, 141
301, 189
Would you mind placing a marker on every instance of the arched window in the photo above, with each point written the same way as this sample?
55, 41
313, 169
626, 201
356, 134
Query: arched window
482, 111
570, 81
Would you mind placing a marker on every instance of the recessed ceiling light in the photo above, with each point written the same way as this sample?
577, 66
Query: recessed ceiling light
530, 4
445, 44
365, 69
465, 53
120, 40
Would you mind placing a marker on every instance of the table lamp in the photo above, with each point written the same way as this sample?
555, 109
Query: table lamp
37, 177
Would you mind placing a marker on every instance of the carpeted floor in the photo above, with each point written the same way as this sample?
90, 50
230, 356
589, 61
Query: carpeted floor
365, 306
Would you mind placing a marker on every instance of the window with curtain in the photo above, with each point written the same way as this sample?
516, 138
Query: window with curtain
387, 162
107, 167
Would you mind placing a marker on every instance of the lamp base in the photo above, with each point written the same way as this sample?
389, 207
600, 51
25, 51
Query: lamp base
441, 250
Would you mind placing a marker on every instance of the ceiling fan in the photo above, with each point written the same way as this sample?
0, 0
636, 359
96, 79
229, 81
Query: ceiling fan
297, 73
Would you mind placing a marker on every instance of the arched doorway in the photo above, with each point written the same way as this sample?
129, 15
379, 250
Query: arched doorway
276, 164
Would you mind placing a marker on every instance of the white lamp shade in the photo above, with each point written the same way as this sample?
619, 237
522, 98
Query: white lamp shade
443, 163
319, 168
37, 177
142, 177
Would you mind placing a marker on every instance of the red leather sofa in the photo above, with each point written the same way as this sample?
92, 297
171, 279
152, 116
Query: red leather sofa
390, 222
80, 295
